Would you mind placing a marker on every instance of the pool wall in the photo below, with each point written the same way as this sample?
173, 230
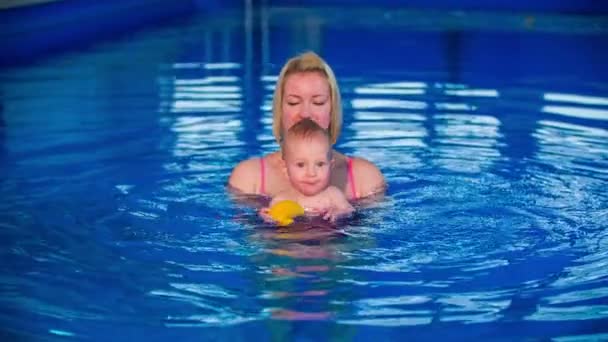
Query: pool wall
539, 6
33, 31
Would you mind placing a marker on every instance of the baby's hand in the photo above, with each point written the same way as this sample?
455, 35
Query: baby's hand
265, 215
314, 211
333, 214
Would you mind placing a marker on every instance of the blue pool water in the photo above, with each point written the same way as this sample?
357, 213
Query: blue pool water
491, 130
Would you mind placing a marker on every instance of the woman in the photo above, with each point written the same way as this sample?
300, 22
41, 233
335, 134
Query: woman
307, 88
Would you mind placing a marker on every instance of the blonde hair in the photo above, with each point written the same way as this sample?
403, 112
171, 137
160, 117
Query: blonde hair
308, 62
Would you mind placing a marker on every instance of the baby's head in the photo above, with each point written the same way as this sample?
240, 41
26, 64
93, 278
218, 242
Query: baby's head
307, 154
303, 132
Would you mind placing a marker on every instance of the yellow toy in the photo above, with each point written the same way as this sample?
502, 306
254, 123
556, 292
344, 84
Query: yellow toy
285, 211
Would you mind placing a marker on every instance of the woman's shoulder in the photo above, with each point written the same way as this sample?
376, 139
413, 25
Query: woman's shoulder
367, 176
245, 175
365, 167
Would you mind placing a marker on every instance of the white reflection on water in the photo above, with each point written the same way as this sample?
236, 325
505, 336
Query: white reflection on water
203, 81
377, 91
450, 106
393, 88
203, 112
208, 105
466, 142
582, 338
473, 92
575, 296
211, 94
208, 66
575, 313
577, 112
197, 133
396, 300
576, 98
418, 317
221, 66
568, 146
208, 290
580, 106
388, 118
408, 132
387, 103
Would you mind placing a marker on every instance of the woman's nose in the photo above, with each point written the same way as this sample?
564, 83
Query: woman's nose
305, 112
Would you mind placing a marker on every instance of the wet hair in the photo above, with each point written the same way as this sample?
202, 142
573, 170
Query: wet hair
306, 129
307, 62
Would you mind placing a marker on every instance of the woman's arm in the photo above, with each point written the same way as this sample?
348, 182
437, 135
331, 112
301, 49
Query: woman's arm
245, 176
369, 180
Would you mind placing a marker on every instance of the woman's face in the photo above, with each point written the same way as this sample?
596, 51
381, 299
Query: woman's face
306, 95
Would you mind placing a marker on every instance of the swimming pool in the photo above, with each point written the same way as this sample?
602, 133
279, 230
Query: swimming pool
491, 129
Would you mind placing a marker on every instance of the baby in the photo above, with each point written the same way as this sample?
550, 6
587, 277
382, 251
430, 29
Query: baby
307, 158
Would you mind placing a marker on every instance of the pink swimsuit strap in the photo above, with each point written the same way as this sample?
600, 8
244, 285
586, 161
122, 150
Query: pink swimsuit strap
351, 178
262, 176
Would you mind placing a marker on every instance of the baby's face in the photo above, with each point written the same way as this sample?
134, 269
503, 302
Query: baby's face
308, 164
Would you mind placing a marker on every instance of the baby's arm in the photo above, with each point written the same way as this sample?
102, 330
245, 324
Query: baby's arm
340, 207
